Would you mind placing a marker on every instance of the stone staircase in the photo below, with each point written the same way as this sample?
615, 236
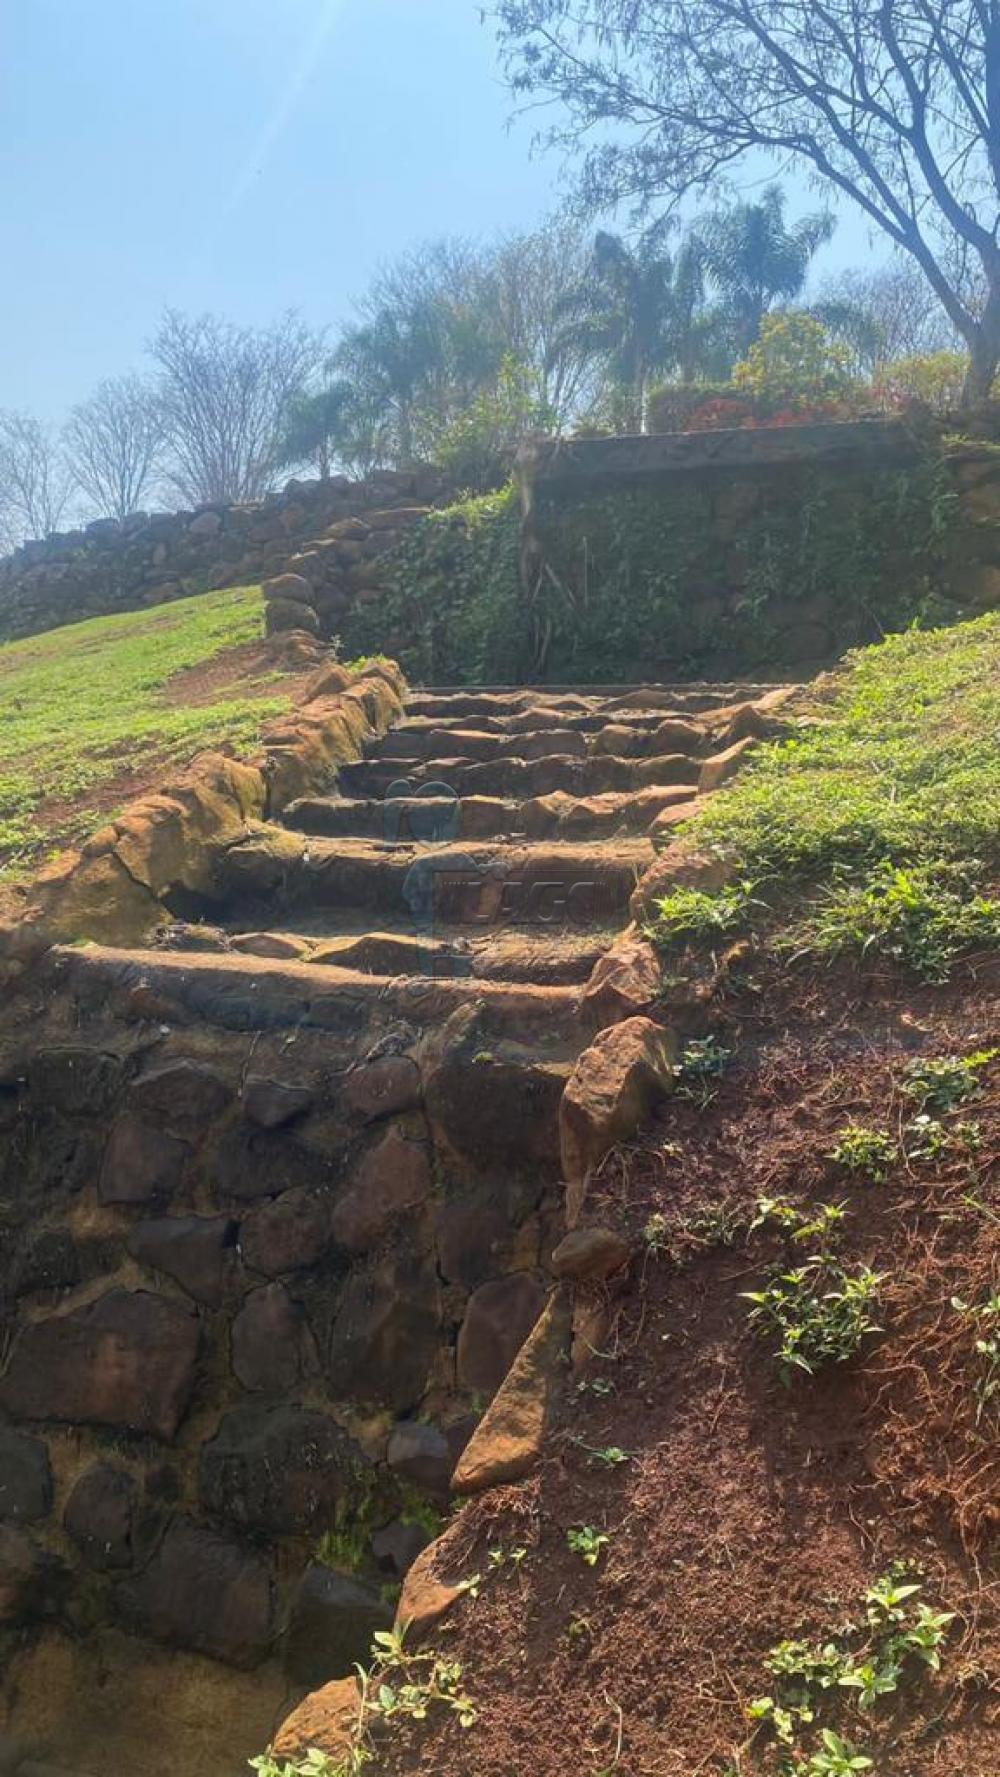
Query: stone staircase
291, 1180
485, 849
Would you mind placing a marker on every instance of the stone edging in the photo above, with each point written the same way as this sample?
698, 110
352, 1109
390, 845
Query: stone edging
115, 887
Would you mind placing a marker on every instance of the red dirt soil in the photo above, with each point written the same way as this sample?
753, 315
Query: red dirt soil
750, 1511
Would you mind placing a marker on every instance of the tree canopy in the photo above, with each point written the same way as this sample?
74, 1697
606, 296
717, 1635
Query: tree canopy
894, 105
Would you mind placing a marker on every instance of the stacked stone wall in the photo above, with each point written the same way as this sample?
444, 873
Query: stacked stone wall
151, 559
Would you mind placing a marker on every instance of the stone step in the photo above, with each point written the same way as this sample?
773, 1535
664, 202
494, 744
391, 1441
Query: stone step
237, 992
433, 819
687, 696
434, 742
430, 819
494, 703
471, 883
507, 777
555, 954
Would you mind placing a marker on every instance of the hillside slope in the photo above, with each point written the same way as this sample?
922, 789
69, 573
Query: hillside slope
763, 1534
90, 714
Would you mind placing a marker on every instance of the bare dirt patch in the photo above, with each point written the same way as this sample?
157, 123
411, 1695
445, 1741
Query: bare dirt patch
747, 1509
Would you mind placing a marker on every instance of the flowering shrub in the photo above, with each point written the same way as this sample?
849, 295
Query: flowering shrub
719, 412
792, 365
936, 379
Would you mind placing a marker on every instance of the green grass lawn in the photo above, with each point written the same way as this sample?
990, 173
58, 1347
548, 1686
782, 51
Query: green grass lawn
85, 707
876, 828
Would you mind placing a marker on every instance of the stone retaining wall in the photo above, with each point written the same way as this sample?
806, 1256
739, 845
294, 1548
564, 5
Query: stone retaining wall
150, 559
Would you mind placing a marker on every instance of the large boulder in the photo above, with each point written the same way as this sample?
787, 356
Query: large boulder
589, 1255
33, 1583
128, 1360
78, 1081
626, 980
382, 1088
271, 1104
509, 1439
100, 1517
420, 1455
280, 1470
326, 1718
204, 1592
287, 1235
487, 1104
249, 1164
384, 1338
183, 1095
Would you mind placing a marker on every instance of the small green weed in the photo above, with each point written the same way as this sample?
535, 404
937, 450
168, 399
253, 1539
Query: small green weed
606, 1455
986, 1316
871, 1153
945, 1082
821, 1223
656, 1232
927, 1138
587, 1542
601, 1386
699, 914
501, 1557
314, 1763
899, 1635
703, 1062
819, 1313
398, 1684
836, 1758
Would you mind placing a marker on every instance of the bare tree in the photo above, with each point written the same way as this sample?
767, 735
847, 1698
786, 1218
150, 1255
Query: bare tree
895, 104
884, 314
35, 487
111, 443
225, 393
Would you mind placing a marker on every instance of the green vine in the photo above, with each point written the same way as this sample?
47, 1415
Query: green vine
704, 578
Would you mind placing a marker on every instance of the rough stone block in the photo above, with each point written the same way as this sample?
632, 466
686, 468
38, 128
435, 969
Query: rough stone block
498, 1319
205, 1592
141, 1164
128, 1360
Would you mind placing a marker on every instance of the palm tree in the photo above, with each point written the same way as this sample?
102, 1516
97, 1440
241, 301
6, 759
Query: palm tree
755, 261
641, 311
321, 427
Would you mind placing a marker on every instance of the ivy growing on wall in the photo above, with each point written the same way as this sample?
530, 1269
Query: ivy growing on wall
700, 578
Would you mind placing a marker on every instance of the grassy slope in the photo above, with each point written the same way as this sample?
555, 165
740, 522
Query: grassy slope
902, 763
745, 1505
85, 709
878, 822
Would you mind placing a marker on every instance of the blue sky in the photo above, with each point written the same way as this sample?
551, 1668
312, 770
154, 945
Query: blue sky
245, 156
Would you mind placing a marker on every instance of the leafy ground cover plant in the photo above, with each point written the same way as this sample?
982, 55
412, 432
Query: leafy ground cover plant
985, 1316
871, 1153
697, 914
923, 915
897, 1638
587, 1542
816, 1313
399, 1684
702, 1064
944, 1082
